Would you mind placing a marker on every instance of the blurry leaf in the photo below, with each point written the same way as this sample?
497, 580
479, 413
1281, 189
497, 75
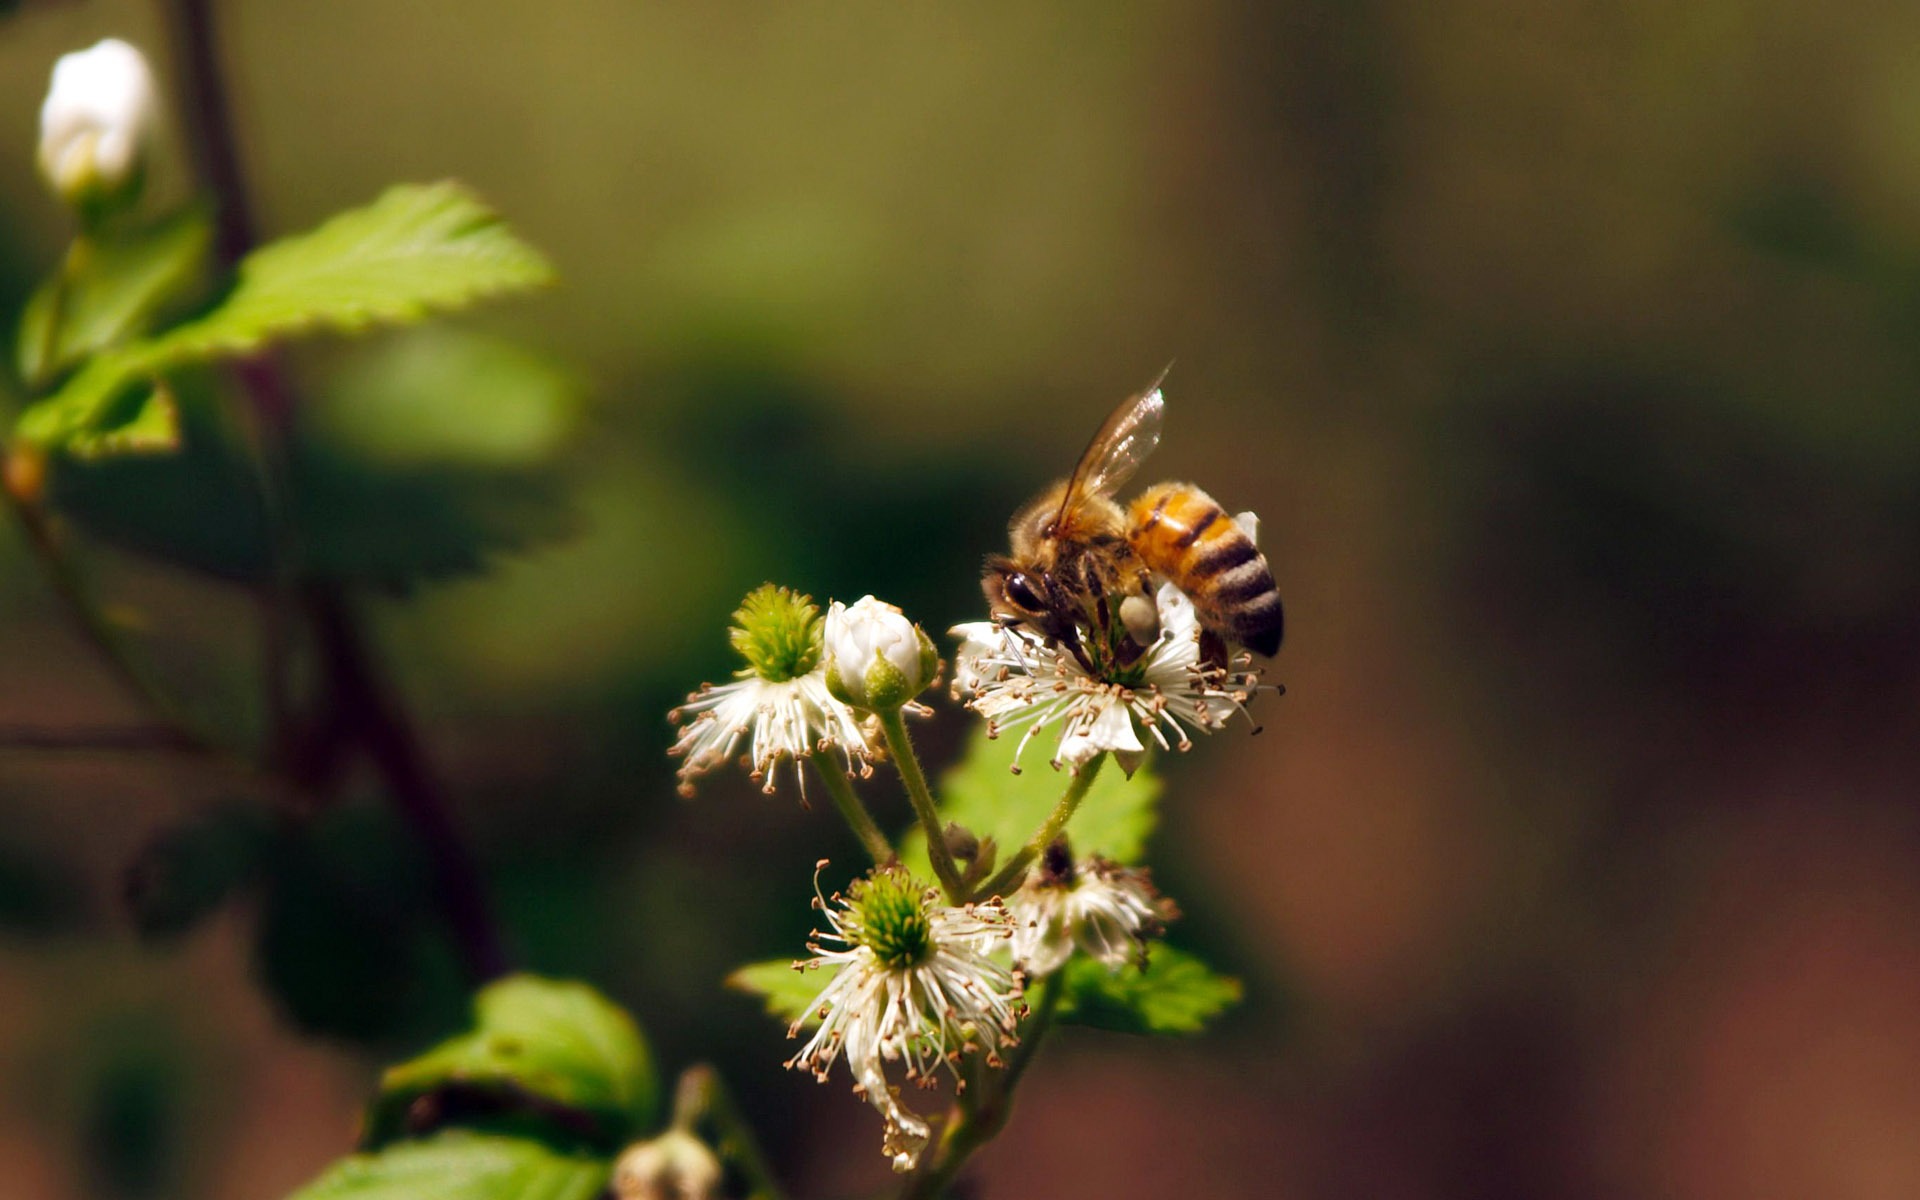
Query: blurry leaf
350, 944
417, 250
444, 395
114, 286
981, 792
397, 528
189, 870
40, 896
538, 1049
1176, 993
432, 454
789, 994
198, 508
133, 1121
460, 1166
154, 428
429, 500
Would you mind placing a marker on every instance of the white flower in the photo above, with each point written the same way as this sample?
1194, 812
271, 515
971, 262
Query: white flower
1107, 910
913, 983
778, 705
1010, 676
786, 720
876, 658
97, 119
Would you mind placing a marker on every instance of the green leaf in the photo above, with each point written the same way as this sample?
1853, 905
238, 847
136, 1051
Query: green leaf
108, 289
982, 793
154, 428
460, 1166
431, 454
1175, 994
189, 870
787, 993
539, 1048
417, 250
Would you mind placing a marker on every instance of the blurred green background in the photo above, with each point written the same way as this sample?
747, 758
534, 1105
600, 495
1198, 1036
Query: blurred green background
1569, 354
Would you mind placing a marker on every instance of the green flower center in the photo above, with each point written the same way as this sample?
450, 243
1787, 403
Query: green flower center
778, 632
891, 920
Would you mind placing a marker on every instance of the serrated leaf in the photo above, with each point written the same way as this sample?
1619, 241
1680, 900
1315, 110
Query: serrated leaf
1175, 994
460, 1166
108, 289
417, 250
788, 994
154, 428
562, 1045
981, 792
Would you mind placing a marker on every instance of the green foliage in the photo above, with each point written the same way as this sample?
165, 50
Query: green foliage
426, 457
1175, 994
188, 871
417, 250
109, 289
982, 793
539, 1051
459, 1165
431, 454
349, 943
153, 428
787, 993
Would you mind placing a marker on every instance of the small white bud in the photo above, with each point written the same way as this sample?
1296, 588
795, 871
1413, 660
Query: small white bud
674, 1166
96, 123
876, 658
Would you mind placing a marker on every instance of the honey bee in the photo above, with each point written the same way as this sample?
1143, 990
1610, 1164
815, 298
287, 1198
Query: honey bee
1081, 569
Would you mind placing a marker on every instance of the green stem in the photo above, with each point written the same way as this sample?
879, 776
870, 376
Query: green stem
976, 1124
702, 1098
900, 746
1056, 823
858, 819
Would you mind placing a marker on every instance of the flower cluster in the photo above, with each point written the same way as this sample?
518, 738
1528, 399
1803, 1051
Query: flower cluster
1012, 677
913, 981
917, 979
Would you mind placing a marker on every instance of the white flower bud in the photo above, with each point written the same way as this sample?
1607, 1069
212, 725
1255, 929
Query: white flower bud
674, 1166
95, 125
876, 658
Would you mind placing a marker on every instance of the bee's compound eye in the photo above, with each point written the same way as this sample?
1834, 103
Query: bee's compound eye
1020, 591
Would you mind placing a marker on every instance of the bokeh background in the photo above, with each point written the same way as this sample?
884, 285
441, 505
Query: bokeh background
1569, 352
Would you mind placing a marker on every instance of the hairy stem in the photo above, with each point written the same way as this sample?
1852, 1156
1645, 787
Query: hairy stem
1056, 823
976, 1123
900, 746
851, 807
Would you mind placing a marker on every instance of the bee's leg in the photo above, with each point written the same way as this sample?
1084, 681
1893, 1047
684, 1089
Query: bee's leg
1213, 649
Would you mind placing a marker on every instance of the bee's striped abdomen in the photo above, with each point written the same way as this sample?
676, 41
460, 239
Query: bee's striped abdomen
1182, 533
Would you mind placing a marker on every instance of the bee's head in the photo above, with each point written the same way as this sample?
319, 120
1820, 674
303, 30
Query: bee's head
1014, 592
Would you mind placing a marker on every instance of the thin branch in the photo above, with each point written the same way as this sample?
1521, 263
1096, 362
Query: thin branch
900, 747
1055, 824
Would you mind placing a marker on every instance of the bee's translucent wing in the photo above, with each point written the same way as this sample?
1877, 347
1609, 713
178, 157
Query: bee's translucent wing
1117, 451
